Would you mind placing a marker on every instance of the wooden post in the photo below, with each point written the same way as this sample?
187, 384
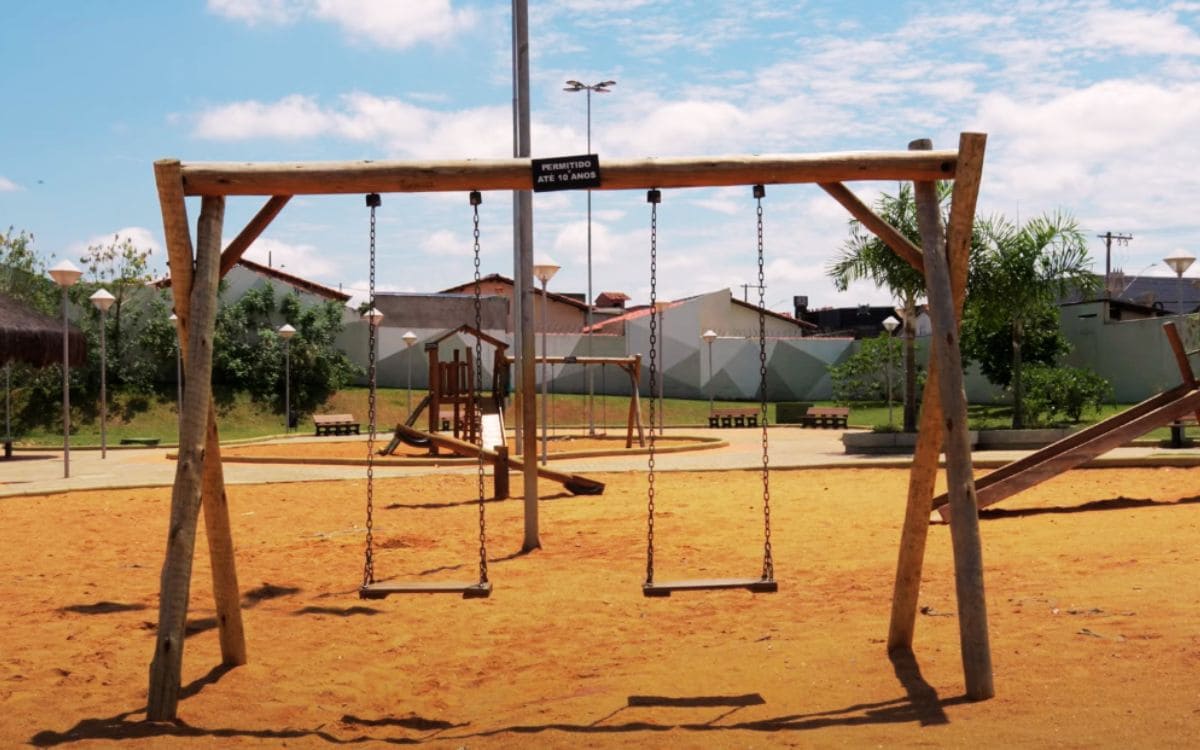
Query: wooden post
964, 521
167, 666
635, 408
500, 473
911, 560
257, 225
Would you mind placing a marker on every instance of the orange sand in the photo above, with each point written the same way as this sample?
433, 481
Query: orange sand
1093, 602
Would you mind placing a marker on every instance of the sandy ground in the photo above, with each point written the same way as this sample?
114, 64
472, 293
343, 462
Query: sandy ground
1091, 580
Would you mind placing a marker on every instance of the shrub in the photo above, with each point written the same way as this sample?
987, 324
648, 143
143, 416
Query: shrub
1066, 391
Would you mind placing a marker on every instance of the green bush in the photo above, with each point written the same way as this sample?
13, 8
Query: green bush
864, 375
1066, 391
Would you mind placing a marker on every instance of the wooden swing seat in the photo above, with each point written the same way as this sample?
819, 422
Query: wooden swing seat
382, 590
755, 585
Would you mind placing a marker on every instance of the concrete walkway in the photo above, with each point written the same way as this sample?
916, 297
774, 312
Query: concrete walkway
41, 472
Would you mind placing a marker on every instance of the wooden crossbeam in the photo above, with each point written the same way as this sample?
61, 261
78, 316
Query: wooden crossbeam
891, 236
329, 178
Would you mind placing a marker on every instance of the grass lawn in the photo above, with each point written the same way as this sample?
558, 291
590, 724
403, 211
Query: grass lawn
239, 418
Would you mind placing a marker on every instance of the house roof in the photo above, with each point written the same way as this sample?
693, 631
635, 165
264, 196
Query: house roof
642, 311
311, 287
469, 287
27, 335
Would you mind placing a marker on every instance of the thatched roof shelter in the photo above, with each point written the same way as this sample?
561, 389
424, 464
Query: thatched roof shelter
27, 335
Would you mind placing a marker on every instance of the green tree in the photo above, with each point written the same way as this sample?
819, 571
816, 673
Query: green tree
122, 268
248, 351
865, 256
863, 376
1016, 280
23, 274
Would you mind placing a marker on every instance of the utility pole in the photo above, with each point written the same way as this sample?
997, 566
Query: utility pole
746, 290
1108, 237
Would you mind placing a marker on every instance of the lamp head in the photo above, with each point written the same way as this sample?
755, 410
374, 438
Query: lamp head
574, 86
1178, 260
709, 336
286, 331
409, 338
373, 317
102, 299
545, 269
891, 324
65, 274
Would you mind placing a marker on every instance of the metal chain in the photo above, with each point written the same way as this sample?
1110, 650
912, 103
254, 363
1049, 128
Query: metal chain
768, 572
476, 199
373, 202
654, 197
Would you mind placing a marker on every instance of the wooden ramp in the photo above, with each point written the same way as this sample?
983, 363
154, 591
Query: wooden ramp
1081, 447
575, 484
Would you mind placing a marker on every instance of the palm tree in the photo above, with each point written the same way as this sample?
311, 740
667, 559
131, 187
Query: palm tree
865, 256
1018, 277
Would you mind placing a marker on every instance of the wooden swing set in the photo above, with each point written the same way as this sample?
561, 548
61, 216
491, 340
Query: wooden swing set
199, 482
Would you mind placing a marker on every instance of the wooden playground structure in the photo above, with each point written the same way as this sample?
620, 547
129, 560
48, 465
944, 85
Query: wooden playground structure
199, 481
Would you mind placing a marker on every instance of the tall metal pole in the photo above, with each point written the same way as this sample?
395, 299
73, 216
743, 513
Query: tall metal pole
600, 88
589, 370
545, 380
65, 274
287, 386
102, 300
66, 398
523, 333
103, 387
711, 395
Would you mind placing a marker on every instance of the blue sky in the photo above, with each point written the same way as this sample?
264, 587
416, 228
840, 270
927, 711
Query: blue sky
1092, 107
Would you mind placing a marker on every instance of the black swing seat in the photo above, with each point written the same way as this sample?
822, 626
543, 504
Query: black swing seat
755, 585
384, 589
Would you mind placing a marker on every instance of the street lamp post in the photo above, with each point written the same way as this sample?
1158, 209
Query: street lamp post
178, 368
102, 299
286, 332
1179, 261
65, 274
373, 318
599, 88
891, 324
709, 337
410, 338
543, 271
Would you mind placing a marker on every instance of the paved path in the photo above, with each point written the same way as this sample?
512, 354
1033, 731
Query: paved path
41, 472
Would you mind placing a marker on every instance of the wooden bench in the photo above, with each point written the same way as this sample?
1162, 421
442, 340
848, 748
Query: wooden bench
832, 417
151, 442
734, 418
335, 424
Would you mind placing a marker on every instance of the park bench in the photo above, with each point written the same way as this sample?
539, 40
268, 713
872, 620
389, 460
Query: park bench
826, 416
8, 441
734, 418
335, 424
151, 442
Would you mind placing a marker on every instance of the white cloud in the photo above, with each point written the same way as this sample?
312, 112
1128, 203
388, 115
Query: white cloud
1139, 32
394, 25
402, 129
141, 237
300, 260
385, 23
7, 185
444, 243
